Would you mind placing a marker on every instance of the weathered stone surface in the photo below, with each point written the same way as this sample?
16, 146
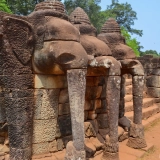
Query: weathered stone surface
85, 115
66, 140
20, 136
96, 143
97, 104
153, 81
2, 139
92, 115
20, 154
124, 122
94, 124
100, 138
50, 81
16, 107
40, 148
64, 97
138, 85
53, 146
102, 120
19, 93
77, 100
2, 110
88, 105
5, 149
120, 131
44, 130
123, 137
153, 92
89, 148
60, 144
46, 104
73, 154
103, 132
64, 125
63, 109
17, 81
136, 136
89, 130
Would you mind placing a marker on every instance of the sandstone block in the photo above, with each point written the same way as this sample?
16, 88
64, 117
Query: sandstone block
153, 81
50, 81
40, 148
64, 123
94, 124
89, 148
96, 143
92, 115
60, 144
25, 81
102, 121
44, 130
63, 109
64, 97
20, 154
66, 140
89, 130
153, 92
46, 104
53, 146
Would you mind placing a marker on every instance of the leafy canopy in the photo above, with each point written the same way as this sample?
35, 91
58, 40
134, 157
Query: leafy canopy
124, 15
4, 7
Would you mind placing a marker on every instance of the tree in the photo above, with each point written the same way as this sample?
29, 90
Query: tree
91, 7
152, 52
4, 7
22, 7
131, 42
124, 15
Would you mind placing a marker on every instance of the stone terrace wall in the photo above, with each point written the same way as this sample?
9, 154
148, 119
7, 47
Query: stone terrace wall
52, 120
152, 74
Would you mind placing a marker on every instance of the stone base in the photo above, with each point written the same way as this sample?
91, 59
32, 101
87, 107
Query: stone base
136, 137
136, 143
110, 156
73, 154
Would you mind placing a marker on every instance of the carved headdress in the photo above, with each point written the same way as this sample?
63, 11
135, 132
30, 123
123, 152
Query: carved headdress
81, 20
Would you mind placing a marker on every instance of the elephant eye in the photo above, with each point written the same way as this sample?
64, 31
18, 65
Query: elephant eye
65, 58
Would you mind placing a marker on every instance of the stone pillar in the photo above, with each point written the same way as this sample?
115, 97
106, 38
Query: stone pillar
112, 99
76, 87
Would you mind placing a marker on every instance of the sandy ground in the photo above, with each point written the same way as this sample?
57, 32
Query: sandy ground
152, 135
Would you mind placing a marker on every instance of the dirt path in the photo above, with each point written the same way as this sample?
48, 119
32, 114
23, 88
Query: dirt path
152, 135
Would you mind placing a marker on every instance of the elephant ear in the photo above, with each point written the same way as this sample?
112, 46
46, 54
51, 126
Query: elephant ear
20, 35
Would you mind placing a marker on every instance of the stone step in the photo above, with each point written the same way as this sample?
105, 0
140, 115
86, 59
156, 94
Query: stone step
147, 102
129, 97
147, 112
128, 82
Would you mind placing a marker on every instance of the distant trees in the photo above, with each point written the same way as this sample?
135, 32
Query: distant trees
152, 52
131, 42
4, 7
22, 7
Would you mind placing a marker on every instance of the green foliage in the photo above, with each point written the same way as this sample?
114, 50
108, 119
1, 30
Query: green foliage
152, 52
124, 15
22, 7
91, 7
4, 7
131, 42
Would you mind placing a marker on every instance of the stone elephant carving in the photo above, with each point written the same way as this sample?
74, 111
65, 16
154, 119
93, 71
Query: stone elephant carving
111, 35
44, 42
102, 63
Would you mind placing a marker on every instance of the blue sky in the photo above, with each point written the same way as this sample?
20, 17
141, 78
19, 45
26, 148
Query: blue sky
148, 14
